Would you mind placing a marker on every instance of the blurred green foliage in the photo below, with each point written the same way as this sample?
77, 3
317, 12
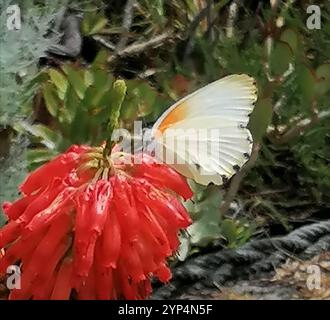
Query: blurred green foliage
20, 52
291, 121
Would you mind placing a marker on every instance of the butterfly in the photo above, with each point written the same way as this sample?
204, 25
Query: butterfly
204, 136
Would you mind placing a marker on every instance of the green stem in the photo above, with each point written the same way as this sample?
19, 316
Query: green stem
119, 92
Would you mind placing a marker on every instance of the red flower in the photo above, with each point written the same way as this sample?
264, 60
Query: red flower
94, 227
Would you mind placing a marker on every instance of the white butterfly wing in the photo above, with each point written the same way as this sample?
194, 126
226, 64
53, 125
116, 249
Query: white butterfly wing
204, 135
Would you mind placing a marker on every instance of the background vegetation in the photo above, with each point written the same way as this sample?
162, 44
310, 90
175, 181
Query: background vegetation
164, 50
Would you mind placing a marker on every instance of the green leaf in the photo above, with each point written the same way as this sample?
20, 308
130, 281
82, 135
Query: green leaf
71, 102
206, 214
146, 96
291, 38
60, 82
93, 23
237, 232
89, 98
39, 156
76, 79
229, 231
39, 78
80, 128
88, 78
141, 100
51, 98
261, 118
306, 82
323, 79
128, 111
100, 62
280, 58
99, 95
102, 80
50, 138
105, 101
98, 25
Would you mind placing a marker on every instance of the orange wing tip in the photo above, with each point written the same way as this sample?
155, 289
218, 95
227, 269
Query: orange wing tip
176, 115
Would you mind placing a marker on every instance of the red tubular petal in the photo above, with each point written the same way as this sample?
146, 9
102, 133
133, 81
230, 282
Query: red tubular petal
104, 284
62, 204
103, 276
171, 232
124, 205
6, 206
79, 149
160, 204
163, 273
84, 262
27, 277
42, 201
116, 290
111, 241
92, 211
152, 244
181, 211
83, 204
81, 236
59, 167
148, 216
133, 263
24, 293
87, 290
163, 176
40, 286
63, 282
169, 213
21, 249
146, 255
45, 292
145, 289
173, 240
152, 226
9, 233
128, 288
19, 294
46, 247
15, 209
102, 197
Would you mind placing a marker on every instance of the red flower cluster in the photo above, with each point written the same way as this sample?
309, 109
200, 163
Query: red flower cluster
90, 227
